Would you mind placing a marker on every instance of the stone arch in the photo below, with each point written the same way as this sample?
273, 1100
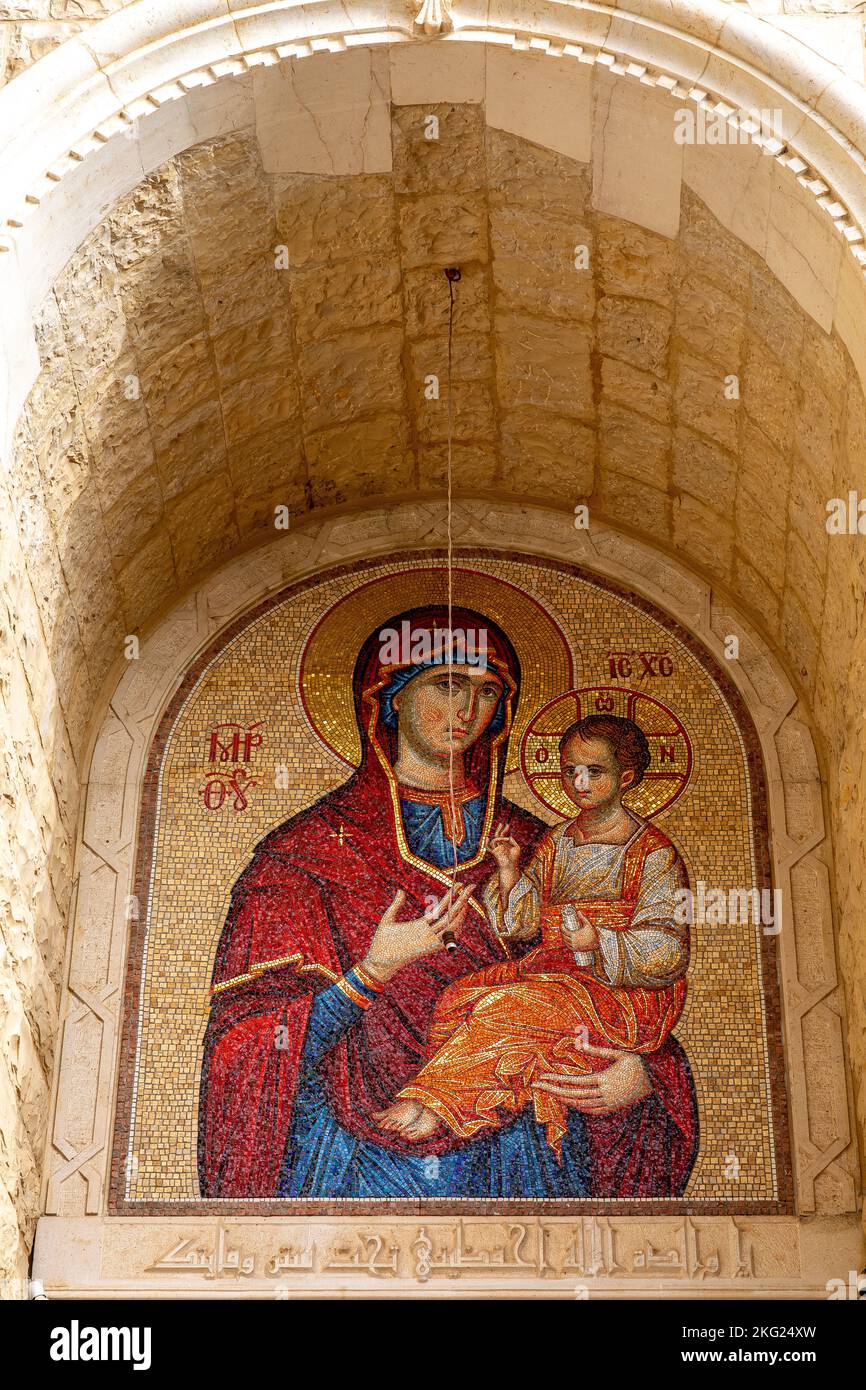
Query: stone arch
73, 1236
67, 574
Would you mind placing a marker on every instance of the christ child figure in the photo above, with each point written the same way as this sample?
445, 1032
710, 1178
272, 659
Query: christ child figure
597, 904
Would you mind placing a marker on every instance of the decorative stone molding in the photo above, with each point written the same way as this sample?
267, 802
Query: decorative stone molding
78, 1250
98, 84
432, 18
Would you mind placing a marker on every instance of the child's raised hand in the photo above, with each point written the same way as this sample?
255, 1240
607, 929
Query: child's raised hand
504, 847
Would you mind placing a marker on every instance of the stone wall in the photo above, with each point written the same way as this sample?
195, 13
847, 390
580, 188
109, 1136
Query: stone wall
188, 387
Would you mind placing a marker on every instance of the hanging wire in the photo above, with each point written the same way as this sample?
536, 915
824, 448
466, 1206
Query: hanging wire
452, 275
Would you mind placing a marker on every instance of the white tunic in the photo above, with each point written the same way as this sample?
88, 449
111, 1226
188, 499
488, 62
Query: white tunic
653, 951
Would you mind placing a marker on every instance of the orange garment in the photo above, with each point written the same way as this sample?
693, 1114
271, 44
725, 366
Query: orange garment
494, 1032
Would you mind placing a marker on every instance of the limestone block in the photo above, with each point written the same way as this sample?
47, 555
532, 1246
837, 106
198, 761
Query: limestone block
471, 402
443, 229
700, 531
836, 36
355, 374
829, 365
102, 640
542, 101
839, 618
765, 472
453, 161
637, 164
436, 73
803, 249
752, 587
735, 182
130, 520
701, 403
706, 325
705, 471
634, 261
230, 300
88, 298
267, 470
177, 384
206, 113
640, 391
470, 362
621, 500
799, 631
259, 402
855, 432
324, 220
808, 512
550, 454
373, 456
804, 578
774, 320
256, 348
63, 221
543, 364
63, 639
325, 114
221, 184
713, 252
120, 443
202, 525
534, 263
149, 216
768, 395
54, 388
634, 332
634, 446
332, 299
77, 708
849, 318
65, 462
426, 296
162, 300
816, 434
521, 174
761, 538
81, 538
474, 466
147, 579
193, 449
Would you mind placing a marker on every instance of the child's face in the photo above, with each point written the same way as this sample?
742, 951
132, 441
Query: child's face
591, 775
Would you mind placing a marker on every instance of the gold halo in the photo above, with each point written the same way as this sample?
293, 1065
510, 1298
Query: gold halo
665, 779
328, 658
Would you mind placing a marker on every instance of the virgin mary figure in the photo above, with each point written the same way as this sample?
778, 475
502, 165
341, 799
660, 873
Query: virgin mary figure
333, 955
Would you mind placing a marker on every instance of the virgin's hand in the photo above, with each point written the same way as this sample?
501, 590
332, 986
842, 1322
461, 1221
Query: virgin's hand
623, 1083
397, 943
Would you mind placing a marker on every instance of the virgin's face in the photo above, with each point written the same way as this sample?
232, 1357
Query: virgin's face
446, 709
